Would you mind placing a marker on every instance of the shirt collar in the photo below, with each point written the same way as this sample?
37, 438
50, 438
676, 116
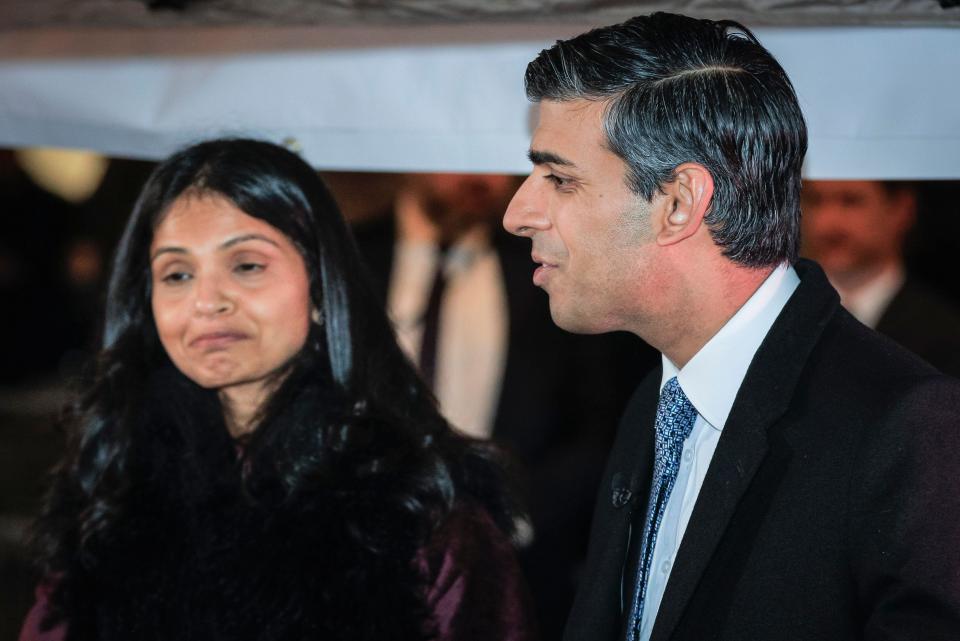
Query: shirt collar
712, 378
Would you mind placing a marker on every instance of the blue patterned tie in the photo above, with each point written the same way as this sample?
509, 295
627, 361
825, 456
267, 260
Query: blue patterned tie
675, 418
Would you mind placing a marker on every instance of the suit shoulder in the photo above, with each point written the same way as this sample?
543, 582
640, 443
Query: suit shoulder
849, 349
862, 383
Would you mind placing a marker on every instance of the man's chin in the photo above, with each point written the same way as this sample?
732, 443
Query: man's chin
573, 322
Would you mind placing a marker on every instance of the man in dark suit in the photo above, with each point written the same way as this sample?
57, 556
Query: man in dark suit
787, 473
501, 368
856, 230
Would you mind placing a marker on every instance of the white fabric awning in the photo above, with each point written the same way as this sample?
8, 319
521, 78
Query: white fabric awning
880, 102
191, 13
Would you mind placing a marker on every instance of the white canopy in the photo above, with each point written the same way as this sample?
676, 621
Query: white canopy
880, 102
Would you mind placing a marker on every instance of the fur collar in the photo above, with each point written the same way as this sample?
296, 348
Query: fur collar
199, 554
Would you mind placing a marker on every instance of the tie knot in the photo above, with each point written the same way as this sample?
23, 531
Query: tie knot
675, 413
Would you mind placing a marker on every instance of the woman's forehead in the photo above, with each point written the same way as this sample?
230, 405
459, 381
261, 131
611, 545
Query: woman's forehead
206, 220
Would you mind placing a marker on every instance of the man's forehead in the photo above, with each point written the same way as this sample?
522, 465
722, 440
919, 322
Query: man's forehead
581, 115
566, 130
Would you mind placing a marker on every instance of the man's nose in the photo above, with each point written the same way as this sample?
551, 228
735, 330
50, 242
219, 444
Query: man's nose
211, 298
526, 213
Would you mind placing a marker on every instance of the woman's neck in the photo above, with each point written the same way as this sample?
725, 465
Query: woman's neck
242, 405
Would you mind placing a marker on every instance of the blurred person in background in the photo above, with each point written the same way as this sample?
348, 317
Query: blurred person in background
254, 457
457, 288
857, 230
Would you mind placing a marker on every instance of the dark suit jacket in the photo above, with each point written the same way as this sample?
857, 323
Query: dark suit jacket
926, 323
830, 510
560, 400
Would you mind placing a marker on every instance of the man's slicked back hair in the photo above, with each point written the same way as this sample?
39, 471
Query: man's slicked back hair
682, 90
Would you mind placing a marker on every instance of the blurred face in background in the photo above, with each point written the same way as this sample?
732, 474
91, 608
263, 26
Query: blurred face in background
855, 228
230, 296
457, 202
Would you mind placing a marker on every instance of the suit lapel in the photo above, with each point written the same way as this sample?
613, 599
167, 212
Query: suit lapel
763, 398
596, 611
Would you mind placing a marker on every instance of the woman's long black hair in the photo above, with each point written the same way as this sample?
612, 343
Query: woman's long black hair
370, 415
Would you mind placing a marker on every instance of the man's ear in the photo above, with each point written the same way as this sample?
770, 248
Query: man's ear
688, 198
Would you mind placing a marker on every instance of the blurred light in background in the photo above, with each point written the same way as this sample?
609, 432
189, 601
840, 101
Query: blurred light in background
72, 174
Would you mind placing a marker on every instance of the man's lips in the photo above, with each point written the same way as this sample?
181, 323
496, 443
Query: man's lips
217, 340
542, 271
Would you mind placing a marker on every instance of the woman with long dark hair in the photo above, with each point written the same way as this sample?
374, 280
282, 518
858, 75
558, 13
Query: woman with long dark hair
255, 458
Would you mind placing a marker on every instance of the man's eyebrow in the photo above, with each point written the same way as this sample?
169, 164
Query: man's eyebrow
544, 157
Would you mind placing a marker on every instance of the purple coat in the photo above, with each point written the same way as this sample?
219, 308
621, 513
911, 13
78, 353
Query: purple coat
476, 589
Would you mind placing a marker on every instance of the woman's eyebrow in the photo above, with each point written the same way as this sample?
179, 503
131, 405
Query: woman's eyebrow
225, 245
167, 250
245, 237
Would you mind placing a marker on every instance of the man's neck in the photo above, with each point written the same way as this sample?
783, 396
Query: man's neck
708, 303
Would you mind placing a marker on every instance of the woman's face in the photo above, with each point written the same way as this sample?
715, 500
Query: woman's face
230, 296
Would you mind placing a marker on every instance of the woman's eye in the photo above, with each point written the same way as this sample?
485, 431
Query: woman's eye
175, 278
249, 268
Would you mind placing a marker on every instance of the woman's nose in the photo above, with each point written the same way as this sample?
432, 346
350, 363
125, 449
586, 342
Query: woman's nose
211, 299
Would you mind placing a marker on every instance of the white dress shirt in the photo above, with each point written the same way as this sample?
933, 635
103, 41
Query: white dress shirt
472, 337
711, 380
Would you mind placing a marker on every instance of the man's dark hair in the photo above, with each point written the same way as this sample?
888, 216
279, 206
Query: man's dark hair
687, 90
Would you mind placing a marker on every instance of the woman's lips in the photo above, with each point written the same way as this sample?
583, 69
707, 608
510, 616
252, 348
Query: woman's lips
216, 340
